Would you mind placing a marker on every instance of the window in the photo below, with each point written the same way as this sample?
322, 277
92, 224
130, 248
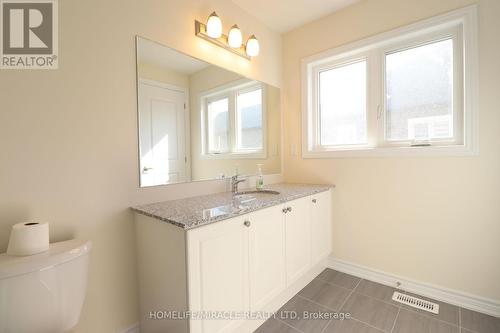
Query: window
233, 120
419, 96
218, 125
249, 119
409, 91
342, 104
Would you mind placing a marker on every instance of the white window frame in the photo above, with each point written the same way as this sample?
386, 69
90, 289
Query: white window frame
461, 26
231, 91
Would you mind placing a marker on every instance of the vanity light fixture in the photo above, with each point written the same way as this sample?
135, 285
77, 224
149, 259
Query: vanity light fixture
214, 26
212, 32
253, 47
234, 38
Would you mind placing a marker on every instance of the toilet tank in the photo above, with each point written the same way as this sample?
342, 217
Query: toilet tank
44, 293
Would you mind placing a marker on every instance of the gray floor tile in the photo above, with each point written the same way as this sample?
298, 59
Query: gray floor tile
339, 278
303, 308
447, 312
412, 322
377, 290
329, 295
479, 322
349, 326
275, 326
371, 311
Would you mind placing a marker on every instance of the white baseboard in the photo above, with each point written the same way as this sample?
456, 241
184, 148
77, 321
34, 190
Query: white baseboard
465, 300
132, 329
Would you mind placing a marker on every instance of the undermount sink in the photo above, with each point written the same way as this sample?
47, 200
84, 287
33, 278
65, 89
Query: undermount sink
240, 203
257, 192
219, 211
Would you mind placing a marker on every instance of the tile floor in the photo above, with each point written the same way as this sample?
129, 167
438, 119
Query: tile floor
372, 311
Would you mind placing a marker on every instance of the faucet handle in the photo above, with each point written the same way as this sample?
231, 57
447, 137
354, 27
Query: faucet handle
238, 178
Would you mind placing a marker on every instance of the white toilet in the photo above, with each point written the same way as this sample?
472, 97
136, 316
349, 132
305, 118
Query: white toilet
44, 293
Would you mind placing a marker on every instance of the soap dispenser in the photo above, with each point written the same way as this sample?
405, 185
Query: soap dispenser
259, 184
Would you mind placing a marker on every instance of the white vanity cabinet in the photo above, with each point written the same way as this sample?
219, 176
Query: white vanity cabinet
236, 265
246, 264
321, 225
298, 238
218, 272
267, 268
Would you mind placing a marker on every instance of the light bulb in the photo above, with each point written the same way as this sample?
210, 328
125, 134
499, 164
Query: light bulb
235, 39
253, 47
214, 26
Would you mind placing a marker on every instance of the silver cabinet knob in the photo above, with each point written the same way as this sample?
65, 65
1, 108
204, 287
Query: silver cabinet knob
289, 209
247, 223
284, 210
314, 200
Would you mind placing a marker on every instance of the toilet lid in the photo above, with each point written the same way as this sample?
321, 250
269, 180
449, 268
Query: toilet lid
57, 253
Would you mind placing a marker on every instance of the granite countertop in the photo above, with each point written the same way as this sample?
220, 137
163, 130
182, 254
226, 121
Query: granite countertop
197, 211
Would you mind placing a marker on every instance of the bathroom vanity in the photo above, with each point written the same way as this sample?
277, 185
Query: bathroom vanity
221, 263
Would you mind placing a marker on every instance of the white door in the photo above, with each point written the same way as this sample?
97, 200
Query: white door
161, 134
218, 273
267, 256
321, 226
298, 239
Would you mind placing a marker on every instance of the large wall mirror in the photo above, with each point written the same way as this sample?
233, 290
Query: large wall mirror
198, 121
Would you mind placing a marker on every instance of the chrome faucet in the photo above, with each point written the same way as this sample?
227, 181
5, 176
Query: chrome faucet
234, 183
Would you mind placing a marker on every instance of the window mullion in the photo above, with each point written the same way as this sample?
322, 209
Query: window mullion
232, 121
381, 107
316, 107
204, 125
374, 87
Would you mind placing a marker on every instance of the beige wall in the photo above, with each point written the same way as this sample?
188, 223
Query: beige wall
68, 137
430, 219
202, 168
154, 72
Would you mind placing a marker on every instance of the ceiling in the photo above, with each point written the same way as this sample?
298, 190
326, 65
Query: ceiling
163, 56
285, 15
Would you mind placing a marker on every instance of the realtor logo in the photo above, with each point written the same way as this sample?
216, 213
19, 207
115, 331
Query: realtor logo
29, 34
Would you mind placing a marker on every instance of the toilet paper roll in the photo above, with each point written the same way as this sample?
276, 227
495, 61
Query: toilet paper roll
28, 238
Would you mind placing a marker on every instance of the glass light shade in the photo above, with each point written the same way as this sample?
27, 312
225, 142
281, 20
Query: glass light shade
253, 47
214, 26
235, 39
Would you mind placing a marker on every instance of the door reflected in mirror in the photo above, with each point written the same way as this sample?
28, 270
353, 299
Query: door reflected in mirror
198, 121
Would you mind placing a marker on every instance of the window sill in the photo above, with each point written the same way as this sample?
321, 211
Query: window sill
230, 156
456, 150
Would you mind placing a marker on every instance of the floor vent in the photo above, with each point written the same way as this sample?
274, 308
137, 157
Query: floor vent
416, 302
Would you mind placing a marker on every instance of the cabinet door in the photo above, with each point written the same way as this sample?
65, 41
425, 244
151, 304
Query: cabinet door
298, 239
320, 226
267, 256
218, 273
